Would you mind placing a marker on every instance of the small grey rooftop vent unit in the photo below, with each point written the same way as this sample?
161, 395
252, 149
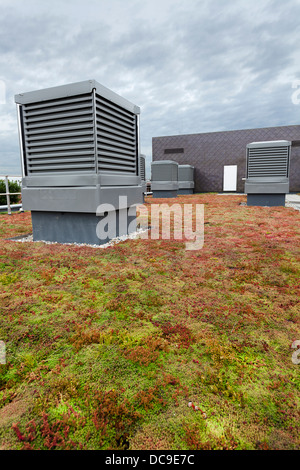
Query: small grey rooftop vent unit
143, 167
185, 179
143, 173
79, 149
164, 178
267, 173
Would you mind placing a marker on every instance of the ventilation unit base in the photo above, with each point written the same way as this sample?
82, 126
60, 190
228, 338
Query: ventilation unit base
70, 227
185, 191
161, 194
266, 200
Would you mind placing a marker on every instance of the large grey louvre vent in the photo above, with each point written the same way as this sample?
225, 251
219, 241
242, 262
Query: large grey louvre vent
79, 150
83, 133
59, 136
268, 161
267, 172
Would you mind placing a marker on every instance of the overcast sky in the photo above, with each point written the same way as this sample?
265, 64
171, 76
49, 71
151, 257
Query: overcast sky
191, 65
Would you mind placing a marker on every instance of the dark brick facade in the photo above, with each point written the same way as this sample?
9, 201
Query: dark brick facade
209, 152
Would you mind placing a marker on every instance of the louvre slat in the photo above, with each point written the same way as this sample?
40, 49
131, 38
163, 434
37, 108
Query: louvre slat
268, 170
54, 116
46, 142
57, 124
260, 169
61, 154
60, 148
61, 171
268, 151
61, 166
266, 165
58, 109
267, 160
270, 154
42, 161
55, 135
273, 156
268, 157
251, 166
58, 102
87, 127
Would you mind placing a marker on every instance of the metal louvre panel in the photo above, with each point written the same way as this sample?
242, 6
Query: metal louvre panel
57, 102
59, 135
142, 168
264, 162
116, 138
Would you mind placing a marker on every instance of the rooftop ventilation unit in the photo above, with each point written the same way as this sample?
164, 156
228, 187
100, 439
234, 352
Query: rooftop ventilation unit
143, 173
267, 173
185, 179
143, 167
164, 178
79, 149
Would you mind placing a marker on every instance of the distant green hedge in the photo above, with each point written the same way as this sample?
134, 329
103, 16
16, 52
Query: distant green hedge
14, 187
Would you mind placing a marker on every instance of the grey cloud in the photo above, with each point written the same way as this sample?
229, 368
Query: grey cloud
193, 66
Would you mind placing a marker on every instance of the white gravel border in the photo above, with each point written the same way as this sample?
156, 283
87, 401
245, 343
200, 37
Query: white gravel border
114, 241
294, 205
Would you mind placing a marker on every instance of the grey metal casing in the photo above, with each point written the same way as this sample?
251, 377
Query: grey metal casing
79, 148
267, 167
164, 175
186, 177
70, 227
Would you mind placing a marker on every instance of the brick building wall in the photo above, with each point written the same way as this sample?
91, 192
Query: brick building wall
209, 152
